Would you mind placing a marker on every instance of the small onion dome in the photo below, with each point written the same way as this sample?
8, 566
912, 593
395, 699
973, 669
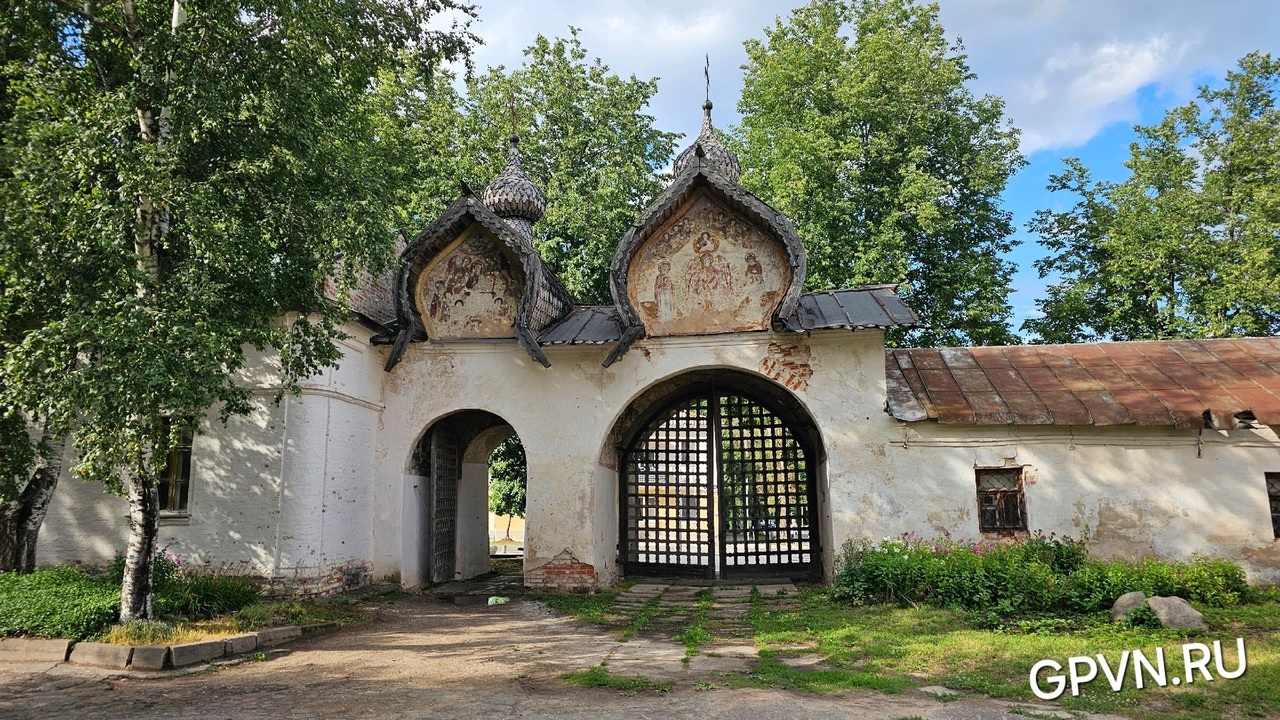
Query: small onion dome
512, 195
715, 154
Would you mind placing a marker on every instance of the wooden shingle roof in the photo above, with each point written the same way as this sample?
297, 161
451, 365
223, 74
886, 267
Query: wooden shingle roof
1180, 383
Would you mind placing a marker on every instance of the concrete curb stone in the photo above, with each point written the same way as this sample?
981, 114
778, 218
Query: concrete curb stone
277, 635
101, 655
319, 628
191, 653
34, 650
150, 657
239, 644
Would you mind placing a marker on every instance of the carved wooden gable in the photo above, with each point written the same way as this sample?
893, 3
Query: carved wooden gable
707, 270
472, 289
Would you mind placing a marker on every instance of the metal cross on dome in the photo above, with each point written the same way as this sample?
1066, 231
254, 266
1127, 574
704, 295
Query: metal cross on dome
706, 72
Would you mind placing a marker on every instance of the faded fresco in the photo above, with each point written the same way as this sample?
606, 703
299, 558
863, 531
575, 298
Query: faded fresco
707, 271
471, 290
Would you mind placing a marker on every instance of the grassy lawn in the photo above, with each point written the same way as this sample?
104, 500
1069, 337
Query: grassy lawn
890, 648
934, 646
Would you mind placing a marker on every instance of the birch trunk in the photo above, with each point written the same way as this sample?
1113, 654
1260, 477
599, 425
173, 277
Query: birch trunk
153, 224
144, 510
21, 518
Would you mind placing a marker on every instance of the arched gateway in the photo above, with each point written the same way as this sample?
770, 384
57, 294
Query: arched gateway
720, 483
712, 474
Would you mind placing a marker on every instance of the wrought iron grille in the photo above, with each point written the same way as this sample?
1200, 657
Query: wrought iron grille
1000, 499
445, 474
764, 490
717, 485
669, 492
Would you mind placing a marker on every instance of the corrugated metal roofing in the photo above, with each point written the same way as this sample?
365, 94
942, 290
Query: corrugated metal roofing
873, 306
585, 325
1182, 383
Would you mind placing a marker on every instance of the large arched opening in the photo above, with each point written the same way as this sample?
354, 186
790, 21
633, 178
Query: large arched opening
720, 477
445, 521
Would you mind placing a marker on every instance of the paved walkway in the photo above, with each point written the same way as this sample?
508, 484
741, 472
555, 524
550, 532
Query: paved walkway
451, 657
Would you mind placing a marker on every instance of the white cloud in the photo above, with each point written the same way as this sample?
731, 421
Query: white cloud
1066, 68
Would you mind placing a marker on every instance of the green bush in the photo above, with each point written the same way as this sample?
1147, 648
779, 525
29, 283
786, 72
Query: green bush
58, 603
190, 593
1043, 573
199, 596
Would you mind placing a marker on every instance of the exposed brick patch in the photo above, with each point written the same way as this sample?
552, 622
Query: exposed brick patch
564, 572
789, 365
336, 580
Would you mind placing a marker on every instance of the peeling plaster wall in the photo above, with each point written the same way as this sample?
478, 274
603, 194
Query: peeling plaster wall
284, 492
1137, 492
564, 415
322, 484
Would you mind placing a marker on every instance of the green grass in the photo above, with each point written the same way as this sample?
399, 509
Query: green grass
889, 648
955, 649
589, 608
696, 634
599, 677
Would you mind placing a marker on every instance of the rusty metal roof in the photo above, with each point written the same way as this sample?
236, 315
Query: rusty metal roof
1179, 383
873, 306
585, 325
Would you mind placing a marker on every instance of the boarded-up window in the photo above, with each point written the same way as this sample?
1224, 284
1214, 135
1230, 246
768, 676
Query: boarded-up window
175, 477
1000, 505
1273, 494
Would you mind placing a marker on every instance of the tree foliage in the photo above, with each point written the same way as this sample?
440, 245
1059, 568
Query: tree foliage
887, 164
508, 478
180, 181
584, 138
1189, 244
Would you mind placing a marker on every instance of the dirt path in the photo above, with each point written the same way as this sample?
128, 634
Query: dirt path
421, 657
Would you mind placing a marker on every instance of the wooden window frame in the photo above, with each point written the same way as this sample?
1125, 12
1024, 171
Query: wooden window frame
173, 489
1273, 499
1000, 501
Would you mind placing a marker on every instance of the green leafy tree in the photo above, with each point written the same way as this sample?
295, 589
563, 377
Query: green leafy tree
1189, 245
508, 480
584, 138
182, 182
887, 164
30, 447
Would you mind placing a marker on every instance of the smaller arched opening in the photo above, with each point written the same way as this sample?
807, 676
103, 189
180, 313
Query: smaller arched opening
446, 528
719, 476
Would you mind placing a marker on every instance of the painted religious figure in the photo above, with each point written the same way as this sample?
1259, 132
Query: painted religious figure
708, 281
706, 271
664, 293
471, 290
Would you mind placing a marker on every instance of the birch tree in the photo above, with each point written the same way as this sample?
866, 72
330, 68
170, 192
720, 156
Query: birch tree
1188, 245
858, 124
179, 181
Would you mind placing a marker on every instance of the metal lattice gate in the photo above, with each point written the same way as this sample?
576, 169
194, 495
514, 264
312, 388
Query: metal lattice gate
446, 471
717, 486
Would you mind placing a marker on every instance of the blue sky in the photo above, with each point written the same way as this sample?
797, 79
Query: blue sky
1076, 75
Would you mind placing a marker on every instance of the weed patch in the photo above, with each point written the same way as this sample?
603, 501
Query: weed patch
600, 677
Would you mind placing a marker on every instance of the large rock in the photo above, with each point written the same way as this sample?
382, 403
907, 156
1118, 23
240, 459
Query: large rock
1127, 603
1174, 612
